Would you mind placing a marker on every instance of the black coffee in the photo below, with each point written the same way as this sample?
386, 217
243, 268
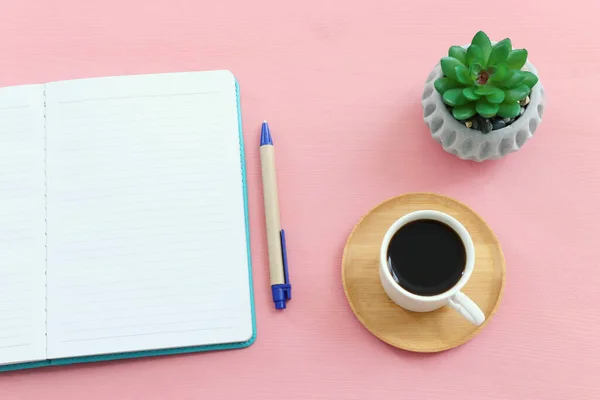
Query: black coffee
427, 257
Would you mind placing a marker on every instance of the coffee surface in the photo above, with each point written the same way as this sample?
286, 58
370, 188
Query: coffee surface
427, 257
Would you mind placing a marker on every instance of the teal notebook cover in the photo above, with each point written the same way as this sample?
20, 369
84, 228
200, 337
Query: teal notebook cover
180, 350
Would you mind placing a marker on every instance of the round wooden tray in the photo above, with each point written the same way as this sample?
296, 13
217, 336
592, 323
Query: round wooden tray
435, 331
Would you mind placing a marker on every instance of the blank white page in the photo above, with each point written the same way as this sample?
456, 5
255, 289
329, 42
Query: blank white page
146, 224
22, 225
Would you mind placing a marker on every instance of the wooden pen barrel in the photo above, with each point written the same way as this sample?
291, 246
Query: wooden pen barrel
273, 224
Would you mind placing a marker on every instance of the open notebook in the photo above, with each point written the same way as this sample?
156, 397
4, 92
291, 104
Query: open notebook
123, 219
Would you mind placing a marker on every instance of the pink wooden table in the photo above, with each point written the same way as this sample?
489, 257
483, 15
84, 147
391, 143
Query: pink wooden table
340, 83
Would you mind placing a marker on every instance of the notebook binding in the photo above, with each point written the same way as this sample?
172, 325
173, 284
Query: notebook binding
46, 219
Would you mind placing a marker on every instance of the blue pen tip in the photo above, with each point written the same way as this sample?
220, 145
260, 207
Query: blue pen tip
265, 135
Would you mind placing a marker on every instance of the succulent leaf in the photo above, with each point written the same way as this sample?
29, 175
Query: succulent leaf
516, 59
465, 111
459, 53
485, 108
470, 94
475, 55
444, 84
498, 73
517, 93
512, 78
485, 90
504, 42
529, 79
483, 42
448, 65
496, 97
475, 69
455, 97
509, 110
463, 75
499, 54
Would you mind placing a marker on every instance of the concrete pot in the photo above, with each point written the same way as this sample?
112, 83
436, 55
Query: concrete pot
471, 144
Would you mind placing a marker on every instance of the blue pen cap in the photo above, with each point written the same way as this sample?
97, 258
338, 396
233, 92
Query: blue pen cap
281, 293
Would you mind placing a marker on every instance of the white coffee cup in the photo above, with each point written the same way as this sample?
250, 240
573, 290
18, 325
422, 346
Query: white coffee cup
452, 297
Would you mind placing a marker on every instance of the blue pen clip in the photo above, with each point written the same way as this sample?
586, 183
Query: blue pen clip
282, 292
286, 274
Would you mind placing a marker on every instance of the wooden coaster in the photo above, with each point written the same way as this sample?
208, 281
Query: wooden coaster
435, 331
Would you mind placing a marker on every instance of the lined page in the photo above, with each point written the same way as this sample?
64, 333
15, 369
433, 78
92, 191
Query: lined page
22, 225
146, 224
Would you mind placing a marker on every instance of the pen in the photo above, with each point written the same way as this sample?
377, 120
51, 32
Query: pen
280, 282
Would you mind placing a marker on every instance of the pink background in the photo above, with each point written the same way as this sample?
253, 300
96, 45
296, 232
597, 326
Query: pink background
340, 82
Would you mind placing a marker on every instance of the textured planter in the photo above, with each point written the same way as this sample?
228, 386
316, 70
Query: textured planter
471, 144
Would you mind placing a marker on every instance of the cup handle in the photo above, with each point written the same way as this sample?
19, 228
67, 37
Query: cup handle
467, 308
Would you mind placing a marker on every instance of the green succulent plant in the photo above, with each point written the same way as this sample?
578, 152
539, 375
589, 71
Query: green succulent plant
485, 79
